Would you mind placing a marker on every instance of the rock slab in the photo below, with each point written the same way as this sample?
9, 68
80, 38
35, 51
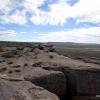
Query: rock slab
54, 81
23, 90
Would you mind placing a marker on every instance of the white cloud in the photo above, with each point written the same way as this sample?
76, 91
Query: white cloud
87, 10
90, 35
83, 11
17, 18
56, 16
11, 14
59, 13
7, 33
4, 6
15, 11
32, 5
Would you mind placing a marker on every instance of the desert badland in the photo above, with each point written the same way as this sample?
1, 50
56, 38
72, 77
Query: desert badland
48, 71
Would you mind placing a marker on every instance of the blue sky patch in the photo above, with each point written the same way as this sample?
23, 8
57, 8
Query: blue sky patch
72, 2
49, 20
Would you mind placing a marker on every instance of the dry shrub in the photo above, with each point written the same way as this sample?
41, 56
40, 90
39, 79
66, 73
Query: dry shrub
1, 49
51, 56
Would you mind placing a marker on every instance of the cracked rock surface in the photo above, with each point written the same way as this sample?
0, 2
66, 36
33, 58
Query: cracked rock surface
37, 72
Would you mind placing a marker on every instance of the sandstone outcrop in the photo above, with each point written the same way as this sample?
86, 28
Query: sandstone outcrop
53, 81
23, 90
37, 72
83, 83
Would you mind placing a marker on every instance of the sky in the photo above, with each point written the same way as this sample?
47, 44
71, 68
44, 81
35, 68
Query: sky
50, 21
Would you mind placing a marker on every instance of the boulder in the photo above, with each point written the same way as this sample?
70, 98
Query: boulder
9, 54
23, 90
53, 81
9, 92
35, 92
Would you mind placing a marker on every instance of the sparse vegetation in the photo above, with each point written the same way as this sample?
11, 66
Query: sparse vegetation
51, 56
1, 49
37, 64
9, 54
25, 64
20, 48
10, 62
17, 70
3, 69
41, 47
10, 71
2, 61
16, 66
45, 66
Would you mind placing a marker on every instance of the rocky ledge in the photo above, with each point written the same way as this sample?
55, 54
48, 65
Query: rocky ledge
37, 72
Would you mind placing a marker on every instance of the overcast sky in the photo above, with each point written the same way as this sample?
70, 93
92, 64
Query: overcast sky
50, 20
